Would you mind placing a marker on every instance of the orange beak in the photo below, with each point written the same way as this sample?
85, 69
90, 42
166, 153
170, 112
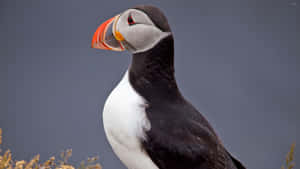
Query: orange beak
105, 36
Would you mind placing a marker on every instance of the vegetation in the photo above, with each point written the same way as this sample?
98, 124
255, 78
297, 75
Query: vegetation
6, 161
289, 159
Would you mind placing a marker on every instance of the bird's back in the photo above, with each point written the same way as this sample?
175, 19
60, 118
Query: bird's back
181, 138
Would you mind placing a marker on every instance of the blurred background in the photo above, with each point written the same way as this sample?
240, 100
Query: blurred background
236, 61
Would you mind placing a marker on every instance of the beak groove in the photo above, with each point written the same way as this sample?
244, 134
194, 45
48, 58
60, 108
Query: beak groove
104, 36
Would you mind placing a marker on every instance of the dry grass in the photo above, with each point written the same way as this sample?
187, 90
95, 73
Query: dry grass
6, 161
289, 159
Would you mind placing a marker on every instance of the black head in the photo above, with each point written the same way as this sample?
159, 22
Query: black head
136, 29
156, 15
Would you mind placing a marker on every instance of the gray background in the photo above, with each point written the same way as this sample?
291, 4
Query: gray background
236, 61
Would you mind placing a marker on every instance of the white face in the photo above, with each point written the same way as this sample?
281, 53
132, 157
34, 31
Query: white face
138, 30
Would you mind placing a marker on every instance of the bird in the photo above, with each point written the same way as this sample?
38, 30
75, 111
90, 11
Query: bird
147, 121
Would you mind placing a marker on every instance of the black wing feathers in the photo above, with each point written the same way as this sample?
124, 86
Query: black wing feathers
180, 138
237, 163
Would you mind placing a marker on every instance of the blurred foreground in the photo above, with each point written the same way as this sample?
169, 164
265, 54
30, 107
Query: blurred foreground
6, 161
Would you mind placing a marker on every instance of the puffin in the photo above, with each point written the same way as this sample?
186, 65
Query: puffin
147, 121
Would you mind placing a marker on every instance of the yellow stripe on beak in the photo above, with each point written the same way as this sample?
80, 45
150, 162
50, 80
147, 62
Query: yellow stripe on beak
116, 33
119, 36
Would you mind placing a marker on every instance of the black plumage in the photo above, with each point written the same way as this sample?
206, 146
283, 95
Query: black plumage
156, 15
180, 137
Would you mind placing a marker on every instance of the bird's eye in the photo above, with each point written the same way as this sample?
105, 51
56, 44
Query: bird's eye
130, 20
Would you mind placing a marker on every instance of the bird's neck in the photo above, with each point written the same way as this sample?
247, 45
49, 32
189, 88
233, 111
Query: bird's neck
152, 72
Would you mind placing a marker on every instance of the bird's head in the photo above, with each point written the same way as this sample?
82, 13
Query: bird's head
137, 30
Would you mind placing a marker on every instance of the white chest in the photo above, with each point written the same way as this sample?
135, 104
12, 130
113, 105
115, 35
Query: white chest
125, 121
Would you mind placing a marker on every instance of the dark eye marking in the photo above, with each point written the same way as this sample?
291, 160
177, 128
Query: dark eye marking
130, 20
